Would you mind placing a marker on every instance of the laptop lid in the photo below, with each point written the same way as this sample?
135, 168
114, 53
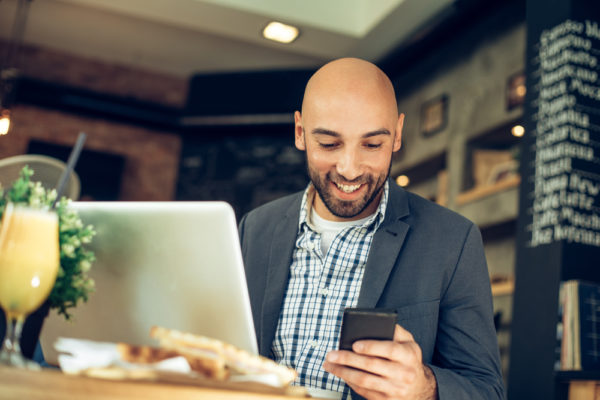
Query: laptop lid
172, 264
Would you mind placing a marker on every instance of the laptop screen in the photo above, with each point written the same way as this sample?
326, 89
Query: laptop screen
172, 264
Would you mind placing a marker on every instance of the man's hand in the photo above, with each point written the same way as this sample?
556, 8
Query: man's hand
383, 369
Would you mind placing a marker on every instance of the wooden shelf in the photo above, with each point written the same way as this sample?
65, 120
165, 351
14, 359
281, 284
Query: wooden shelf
503, 288
491, 205
484, 191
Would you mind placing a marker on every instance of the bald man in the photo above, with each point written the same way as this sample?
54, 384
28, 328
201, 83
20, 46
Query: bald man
353, 238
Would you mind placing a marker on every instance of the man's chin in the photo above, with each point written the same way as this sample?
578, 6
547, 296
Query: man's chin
343, 209
351, 209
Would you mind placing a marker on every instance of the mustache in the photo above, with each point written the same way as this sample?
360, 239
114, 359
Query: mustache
359, 180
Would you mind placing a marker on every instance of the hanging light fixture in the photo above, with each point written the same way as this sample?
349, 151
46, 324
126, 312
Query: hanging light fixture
4, 121
8, 72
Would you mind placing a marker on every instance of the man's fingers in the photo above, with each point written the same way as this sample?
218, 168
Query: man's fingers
402, 335
402, 352
373, 365
350, 359
363, 383
378, 368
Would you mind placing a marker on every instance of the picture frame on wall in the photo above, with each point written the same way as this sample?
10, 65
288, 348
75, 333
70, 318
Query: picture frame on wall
434, 115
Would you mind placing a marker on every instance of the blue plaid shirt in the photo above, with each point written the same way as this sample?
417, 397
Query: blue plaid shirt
319, 288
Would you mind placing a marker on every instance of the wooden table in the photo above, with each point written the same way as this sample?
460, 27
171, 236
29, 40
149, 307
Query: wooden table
53, 384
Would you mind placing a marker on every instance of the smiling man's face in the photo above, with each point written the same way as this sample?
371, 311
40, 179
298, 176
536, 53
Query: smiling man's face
349, 128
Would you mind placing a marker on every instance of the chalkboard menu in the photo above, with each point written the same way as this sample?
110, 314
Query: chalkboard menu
558, 228
566, 167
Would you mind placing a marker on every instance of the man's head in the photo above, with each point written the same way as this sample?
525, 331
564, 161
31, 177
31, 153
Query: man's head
349, 128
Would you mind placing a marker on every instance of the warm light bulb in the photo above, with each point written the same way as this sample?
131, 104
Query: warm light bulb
517, 131
402, 180
4, 122
280, 32
521, 90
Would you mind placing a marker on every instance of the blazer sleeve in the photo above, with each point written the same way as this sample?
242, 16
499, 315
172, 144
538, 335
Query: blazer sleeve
466, 361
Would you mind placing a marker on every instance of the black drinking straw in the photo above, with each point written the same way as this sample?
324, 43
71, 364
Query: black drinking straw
73, 157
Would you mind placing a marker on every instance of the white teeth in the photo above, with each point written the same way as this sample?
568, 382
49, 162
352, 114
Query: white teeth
347, 188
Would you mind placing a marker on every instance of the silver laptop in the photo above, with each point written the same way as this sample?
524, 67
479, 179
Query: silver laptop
172, 264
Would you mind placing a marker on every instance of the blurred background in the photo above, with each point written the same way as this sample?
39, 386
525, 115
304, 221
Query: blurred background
187, 100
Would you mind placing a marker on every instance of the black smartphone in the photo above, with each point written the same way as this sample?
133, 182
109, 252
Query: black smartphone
366, 324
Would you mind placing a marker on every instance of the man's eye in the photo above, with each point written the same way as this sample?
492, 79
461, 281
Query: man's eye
328, 145
373, 145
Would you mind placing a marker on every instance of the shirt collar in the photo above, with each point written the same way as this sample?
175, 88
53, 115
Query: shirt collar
309, 197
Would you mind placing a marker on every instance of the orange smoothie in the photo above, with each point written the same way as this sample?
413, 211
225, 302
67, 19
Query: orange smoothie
29, 259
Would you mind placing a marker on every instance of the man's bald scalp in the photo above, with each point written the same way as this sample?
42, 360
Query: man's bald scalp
350, 76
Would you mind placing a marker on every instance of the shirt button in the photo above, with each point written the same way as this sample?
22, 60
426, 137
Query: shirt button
314, 344
324, 291
310, 246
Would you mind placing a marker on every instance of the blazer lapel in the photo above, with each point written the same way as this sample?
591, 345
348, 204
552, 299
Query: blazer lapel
385, 248
282, 246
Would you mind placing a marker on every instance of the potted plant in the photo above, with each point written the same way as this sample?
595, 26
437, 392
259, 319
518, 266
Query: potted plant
73, 284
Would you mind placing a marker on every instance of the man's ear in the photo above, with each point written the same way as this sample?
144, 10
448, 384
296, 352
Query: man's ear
398, 136
299, 132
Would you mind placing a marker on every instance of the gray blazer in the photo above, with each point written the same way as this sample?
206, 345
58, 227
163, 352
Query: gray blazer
426, 262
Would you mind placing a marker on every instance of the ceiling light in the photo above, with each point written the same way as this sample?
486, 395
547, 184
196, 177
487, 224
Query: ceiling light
280, 32
402, 180
517, 131
4, 122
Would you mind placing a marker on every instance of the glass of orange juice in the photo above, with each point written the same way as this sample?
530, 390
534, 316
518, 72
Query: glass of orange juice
29, 261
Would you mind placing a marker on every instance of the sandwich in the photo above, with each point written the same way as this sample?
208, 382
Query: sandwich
218, 359
206, 365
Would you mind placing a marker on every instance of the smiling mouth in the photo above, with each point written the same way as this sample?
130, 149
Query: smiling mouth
348, 188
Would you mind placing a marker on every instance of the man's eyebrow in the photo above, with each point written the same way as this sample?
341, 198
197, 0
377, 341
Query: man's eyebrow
323, 131
376, 133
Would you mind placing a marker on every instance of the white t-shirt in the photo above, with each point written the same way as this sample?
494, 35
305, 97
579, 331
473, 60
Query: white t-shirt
329, 229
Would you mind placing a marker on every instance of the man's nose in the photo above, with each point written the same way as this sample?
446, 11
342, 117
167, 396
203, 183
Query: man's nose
348, 165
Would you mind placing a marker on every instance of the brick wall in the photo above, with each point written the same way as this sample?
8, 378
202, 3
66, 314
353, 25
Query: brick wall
55, 66
151, 156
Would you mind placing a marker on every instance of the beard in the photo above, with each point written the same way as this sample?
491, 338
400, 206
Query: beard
345, 208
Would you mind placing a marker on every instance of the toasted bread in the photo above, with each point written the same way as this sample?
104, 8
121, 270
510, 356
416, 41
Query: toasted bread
235, 359
210, 367
143, 354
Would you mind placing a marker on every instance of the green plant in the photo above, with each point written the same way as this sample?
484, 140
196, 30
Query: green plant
72, 282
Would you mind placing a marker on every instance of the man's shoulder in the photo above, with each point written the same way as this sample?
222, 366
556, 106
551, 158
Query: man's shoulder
419, 202
426, 211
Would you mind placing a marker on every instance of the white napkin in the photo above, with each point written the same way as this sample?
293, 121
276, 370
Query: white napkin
84, 354
78, 355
